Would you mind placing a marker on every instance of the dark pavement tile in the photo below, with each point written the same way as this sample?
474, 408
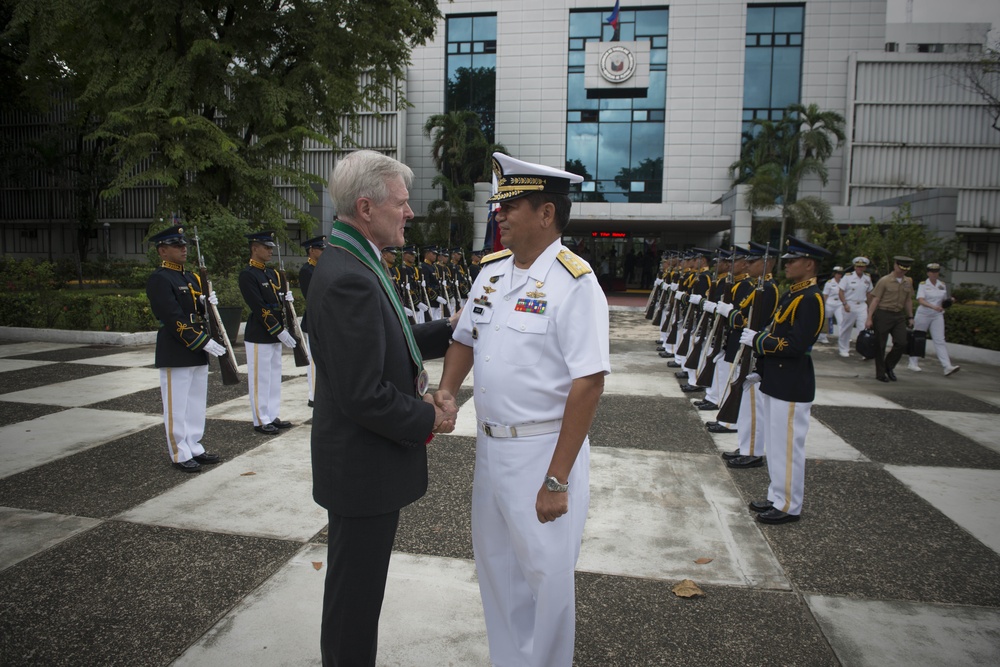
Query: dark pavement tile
440, 523
651, 423
150, 401
78, 353
632, 622
128, 594
39, 376
947, 401
111, 478
863, 534
901, 437
12, 413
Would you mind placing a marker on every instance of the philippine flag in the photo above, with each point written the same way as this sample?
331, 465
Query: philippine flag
613, 19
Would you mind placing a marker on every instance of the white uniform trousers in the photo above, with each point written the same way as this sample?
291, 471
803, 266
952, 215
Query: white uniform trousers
669, 348
311, 369
185, 392
714, 393
848, 322
750, 424
933, 323
833, 315
785, 428
436, 313
264, 380
525, 568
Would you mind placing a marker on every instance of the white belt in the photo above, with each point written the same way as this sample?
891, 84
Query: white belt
521, 430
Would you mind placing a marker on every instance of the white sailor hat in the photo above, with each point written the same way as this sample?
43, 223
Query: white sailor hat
517, 178
861, 261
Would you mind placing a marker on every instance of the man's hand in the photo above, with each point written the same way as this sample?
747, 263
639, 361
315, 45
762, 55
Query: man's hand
847, 308
724, 309
709, 307
550, 505
287, 340
746, 338
214, 348
695, 299
868, 323
442, 301
445, 413
289, 297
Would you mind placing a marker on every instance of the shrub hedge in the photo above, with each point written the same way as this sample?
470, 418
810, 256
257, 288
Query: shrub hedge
978, 326
64, 309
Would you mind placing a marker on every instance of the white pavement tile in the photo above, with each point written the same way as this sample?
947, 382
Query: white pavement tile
31, 443
643, 384
981, 428
130, 359
852, 399
26, 533
821, 443
431, 616
294, 405
20, 349
652, 514
276, 501
987, 397
89, 390
970, 498
20, 364
866, 633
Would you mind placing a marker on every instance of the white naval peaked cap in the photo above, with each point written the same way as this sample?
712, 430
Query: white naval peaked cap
517, 178
861, 261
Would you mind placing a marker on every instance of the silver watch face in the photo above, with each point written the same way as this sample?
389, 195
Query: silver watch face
552, 484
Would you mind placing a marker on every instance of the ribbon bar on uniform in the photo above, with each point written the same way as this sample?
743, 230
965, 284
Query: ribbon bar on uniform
520, 430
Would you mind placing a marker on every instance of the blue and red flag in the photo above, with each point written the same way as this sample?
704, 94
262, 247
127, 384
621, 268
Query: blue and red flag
492, 240
613, 19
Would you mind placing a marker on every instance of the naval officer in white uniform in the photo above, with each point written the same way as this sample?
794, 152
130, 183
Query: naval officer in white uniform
536, 332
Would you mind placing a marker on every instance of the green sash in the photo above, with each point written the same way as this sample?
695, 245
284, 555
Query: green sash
348, 238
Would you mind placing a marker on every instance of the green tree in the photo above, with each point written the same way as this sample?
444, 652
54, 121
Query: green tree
650, 171
777, 157
474, 89
217, 102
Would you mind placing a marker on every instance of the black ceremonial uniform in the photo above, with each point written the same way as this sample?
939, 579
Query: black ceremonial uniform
430, 277
410, 279
745, 295
173, 296
260, 287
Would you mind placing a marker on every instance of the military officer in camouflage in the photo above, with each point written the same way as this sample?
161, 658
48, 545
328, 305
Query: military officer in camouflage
177, 300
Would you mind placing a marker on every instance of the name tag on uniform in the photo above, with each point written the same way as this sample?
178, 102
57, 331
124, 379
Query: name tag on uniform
536, 306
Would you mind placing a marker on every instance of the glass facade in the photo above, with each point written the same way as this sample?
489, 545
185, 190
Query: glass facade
772, 78
617, 144
471, 67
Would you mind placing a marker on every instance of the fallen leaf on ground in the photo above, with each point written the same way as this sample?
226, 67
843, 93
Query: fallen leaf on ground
704, 561
247, 474
317, 565
687, 589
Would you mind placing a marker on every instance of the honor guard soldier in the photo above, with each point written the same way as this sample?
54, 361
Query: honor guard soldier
854, 290
697, 287
265, 333
445, 279
389, 259
722, 284
933, 297
890, 313
474, 259
429, 282
461, 277
314, 248
177, 300
410, 276
536, 332
788, 381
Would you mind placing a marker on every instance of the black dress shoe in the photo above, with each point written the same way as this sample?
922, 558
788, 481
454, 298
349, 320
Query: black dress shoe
207, 459
267, 429
188, 466
688, 388
708, 405
716, 427
666, 355
759, 506
681, 375
672, 364
746, 462
776, 516
659, 348
891, 374
280, 424
310, 404
881, 378
728, 456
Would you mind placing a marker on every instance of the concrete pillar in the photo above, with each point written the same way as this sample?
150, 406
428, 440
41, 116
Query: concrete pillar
741, 217
480, 211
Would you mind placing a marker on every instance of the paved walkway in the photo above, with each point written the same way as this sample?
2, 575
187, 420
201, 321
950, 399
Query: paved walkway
110, 556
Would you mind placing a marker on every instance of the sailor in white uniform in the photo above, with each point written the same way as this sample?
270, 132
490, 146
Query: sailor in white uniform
536, 332
854, 290
932, 295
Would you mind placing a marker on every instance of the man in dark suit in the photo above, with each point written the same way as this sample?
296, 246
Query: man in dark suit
314, 248
373, 417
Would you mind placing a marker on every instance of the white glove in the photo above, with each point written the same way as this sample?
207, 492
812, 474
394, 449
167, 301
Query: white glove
673, 287
746, 338
214, 348
212, 299
724, 309
709, 307
409, 313
752, 379
695, 299
422, 307
423, 283
286, 339
289, 297
441, 300
657, 282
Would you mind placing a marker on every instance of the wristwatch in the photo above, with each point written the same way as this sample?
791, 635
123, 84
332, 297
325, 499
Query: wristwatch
554, 485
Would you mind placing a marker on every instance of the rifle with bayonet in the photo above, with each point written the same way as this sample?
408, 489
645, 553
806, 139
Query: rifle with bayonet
716, 337
443, 275
217, 332
697, 344
654, 297
291, 320
743, 363
409, 299
427, 299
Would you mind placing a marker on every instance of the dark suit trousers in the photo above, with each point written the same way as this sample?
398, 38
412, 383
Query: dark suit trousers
887, 324
358, 563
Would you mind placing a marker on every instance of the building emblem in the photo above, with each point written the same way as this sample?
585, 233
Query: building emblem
617, 64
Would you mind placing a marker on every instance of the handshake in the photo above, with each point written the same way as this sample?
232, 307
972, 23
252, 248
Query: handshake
445, 410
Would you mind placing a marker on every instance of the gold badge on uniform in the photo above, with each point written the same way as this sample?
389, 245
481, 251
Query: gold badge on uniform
488, 289
493, 279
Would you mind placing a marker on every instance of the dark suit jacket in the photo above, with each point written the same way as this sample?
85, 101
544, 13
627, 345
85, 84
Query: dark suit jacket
369, 425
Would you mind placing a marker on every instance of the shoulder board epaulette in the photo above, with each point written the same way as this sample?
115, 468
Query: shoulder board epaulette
493, 256
573, 264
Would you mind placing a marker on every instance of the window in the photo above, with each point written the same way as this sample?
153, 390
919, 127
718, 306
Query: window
772, 78
471, 66
617, 144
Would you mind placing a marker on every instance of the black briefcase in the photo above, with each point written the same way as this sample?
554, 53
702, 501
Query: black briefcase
866, 345
916, 343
